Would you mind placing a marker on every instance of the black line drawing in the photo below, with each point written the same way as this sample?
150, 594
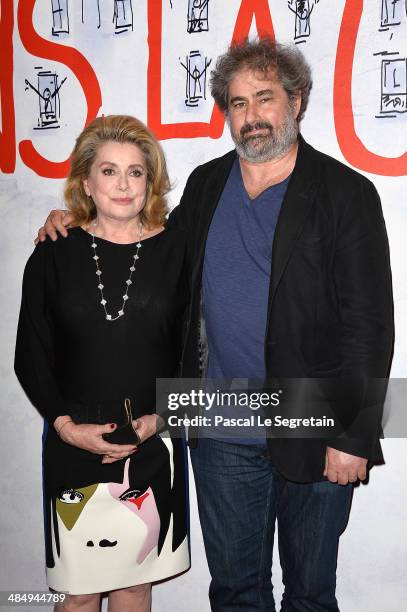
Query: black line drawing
302, 10
122, 16
196, 67
198, 18
60, 17
386, 53
392, 12
49, 101
394, 87
98, 12
171, 3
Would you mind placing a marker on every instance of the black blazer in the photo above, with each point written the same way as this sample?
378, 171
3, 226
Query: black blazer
330, 308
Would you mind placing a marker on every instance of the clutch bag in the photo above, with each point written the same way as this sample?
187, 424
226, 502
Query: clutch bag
117, 412
124, 432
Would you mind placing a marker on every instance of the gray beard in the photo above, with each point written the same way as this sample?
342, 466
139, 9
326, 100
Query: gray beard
263, 148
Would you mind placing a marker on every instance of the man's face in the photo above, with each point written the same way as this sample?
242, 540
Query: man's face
261, 117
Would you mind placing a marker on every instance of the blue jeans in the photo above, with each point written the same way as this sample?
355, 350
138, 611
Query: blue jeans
240, 495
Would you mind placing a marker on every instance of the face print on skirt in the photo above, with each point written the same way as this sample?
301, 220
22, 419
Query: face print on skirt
114, 528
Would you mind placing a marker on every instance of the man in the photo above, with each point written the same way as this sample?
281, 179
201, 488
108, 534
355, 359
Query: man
290, 268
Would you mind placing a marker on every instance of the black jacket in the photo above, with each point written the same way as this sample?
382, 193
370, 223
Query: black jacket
330, 309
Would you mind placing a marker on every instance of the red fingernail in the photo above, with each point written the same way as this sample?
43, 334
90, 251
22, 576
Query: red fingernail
112, 425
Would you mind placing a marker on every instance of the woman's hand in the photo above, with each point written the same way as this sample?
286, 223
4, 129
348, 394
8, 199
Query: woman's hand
89, 438
57, 221
146, 426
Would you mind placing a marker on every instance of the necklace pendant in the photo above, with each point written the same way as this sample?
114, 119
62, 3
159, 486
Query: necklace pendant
128, 282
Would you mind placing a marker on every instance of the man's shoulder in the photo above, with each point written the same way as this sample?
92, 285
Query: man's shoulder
334, 171
224, 162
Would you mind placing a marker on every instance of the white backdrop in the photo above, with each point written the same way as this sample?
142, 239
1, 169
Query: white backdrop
122, 48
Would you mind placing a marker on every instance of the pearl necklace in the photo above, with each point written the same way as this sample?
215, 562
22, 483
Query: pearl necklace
128, 282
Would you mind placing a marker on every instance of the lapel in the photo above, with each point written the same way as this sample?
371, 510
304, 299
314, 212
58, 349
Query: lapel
295, 208
211, 193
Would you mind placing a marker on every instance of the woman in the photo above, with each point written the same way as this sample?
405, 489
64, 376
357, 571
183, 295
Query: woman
100, 320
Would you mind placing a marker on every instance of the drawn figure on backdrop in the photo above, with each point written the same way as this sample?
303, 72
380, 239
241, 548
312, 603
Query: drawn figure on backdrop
394, 86
122, 16
97, 9
302, 10
196, 67
198, 16
48, 98
392, 12
60, 17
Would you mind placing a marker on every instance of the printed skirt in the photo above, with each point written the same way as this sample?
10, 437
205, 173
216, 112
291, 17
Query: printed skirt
112, 535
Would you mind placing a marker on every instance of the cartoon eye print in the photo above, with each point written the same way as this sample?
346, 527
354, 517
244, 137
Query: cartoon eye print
134, 496
70, 503
70, 496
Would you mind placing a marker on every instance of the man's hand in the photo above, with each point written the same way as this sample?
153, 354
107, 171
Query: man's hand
146, 426
57, 221
342, 468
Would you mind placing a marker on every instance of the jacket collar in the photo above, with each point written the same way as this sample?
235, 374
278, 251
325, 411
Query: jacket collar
214, 185
295, 208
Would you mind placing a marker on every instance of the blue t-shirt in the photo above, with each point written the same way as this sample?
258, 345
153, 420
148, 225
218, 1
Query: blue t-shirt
236, 278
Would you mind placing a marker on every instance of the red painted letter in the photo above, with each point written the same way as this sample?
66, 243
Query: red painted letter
351, 145
214, 129
38, 46
8, 131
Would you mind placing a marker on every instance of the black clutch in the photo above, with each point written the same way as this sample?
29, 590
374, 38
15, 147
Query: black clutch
117, 412
125, 432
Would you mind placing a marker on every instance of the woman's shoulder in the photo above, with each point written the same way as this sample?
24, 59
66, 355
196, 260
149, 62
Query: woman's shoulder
49, 249
170, 241
75, 235
174, 234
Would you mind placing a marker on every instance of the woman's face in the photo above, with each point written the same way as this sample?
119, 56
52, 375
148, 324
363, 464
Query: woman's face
117, 181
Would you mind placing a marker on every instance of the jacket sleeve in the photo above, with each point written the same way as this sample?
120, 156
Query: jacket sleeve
34, 355
181, 216
364, 292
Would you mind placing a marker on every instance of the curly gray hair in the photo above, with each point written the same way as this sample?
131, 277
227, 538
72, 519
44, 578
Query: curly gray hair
265, 55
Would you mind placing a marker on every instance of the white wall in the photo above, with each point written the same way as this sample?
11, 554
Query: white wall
373, 553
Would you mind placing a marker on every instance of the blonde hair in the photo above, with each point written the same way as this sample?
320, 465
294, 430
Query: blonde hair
123, 129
